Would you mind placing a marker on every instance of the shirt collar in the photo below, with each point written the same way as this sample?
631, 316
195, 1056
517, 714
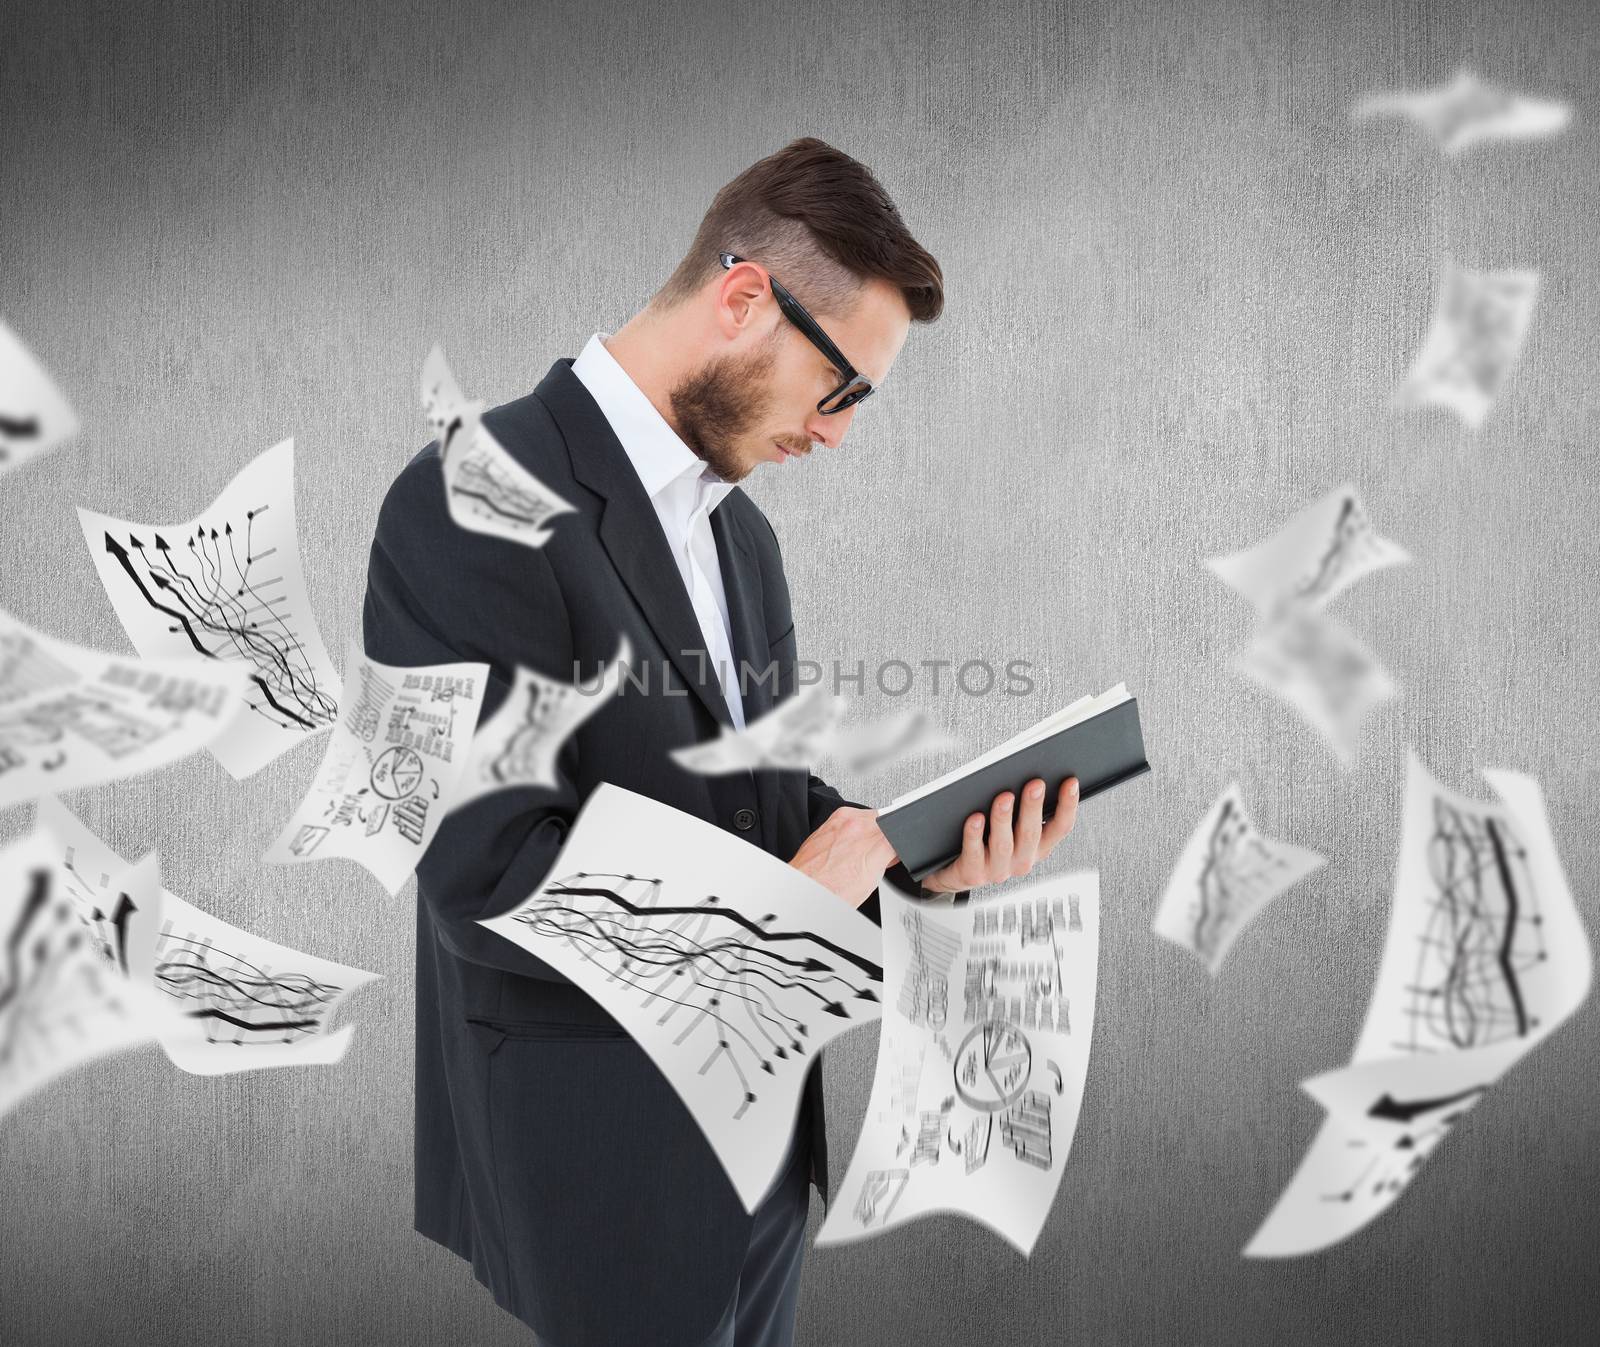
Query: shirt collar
658, 455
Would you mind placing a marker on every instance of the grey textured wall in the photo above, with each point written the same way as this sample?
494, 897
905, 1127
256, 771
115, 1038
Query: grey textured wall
1181, 288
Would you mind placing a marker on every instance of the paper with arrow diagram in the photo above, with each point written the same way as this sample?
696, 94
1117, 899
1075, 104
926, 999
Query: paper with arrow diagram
1313, 557
487, 490
227, 587
236, 1002
1298, 653
1227, 873
731, 969
1486, 957
61, 1004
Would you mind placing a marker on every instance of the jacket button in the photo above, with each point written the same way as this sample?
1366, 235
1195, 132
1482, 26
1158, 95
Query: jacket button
744, 820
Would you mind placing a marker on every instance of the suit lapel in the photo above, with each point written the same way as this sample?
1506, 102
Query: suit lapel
631, 534
737, 559
736, 555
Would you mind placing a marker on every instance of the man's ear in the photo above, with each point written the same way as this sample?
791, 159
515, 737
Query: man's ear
740, 296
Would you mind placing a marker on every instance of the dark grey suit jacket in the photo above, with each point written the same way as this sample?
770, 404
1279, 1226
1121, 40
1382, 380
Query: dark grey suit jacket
550, 1151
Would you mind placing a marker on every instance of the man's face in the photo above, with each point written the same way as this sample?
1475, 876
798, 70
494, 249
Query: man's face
758, 399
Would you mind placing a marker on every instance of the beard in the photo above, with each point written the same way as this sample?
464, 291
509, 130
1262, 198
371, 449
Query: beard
720, 403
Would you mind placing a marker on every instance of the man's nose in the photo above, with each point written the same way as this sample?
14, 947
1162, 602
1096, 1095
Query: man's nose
829, 430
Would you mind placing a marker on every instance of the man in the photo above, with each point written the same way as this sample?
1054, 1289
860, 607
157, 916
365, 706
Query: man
550, 1151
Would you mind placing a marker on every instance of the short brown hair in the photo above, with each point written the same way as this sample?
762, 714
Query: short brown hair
821, 223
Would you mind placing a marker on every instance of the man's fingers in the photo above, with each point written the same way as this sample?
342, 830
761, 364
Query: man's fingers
1025, 845
1065, 816
970, 862
1000, 844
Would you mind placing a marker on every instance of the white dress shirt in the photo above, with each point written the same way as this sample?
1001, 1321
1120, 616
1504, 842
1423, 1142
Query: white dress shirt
684, 492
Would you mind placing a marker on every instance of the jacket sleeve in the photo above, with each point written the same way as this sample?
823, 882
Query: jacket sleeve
821, 801
436, 594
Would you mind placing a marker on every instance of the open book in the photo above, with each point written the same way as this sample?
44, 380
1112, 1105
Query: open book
1096, 739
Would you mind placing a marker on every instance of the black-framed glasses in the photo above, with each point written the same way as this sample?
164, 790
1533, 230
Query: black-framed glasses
856, 386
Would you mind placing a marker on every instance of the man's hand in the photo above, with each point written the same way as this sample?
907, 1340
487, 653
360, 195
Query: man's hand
1009, 854
847, 854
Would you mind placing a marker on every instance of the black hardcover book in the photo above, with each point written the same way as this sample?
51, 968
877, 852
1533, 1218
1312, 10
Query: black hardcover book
1098, 740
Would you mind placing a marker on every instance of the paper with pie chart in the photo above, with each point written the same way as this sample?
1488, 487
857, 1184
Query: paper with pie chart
988, 1018
1486, 956
393, 767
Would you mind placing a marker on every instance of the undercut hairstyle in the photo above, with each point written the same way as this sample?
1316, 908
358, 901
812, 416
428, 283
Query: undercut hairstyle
821, 223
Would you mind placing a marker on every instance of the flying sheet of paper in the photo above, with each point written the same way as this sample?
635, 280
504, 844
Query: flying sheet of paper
1226, 874
1468, 112
227, 587
1486, 956
974, 1105
61, 1004
487, 490
871, 745
789, 736
451, 417
1480, 322
239, 1002
731, 969
1321, 669
518, 745
1318, 553
393, 765
73, 717
34, 417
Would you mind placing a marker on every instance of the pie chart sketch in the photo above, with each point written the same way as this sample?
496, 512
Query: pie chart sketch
992, 1066
396, 773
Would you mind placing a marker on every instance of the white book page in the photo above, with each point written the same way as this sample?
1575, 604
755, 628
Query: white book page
1085, 708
